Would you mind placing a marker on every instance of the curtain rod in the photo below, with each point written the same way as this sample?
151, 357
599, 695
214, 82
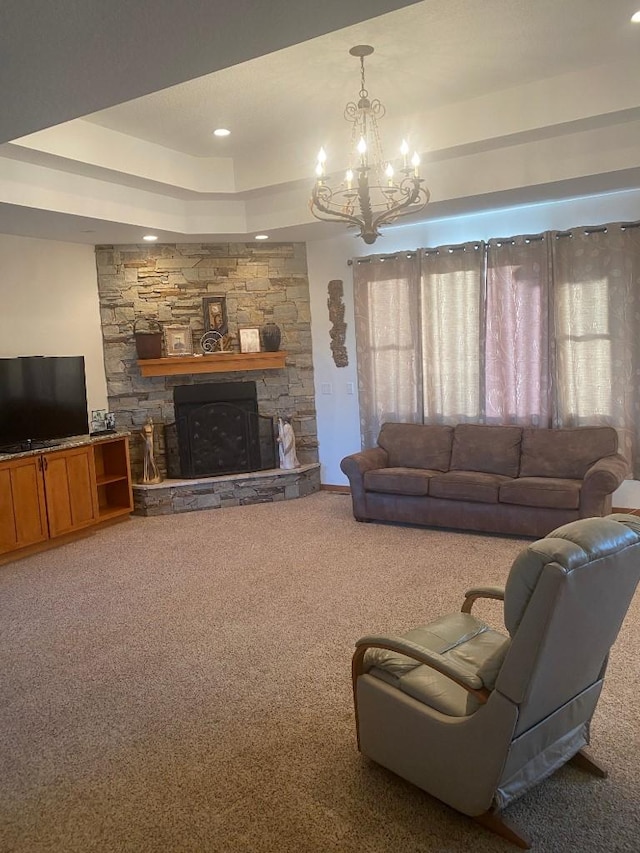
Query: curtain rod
372, 258
528, 238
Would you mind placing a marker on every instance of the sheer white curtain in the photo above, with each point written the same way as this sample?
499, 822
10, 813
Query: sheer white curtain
387, 300
517, 357
452, 295
597, 322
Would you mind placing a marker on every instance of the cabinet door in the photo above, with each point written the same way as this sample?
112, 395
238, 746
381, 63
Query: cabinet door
70, 487
22, 507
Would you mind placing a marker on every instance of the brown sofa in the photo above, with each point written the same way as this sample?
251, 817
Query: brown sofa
499, 479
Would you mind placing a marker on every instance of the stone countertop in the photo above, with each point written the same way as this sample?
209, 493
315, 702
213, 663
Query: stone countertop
65, 444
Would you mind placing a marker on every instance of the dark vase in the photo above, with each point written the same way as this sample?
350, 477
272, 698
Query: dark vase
271, 336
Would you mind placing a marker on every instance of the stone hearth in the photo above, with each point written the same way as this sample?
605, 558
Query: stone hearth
275, 484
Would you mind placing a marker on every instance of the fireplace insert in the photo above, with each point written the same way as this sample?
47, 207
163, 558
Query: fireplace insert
218, 430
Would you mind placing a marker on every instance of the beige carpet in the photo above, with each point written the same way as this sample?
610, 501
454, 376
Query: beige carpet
183, 684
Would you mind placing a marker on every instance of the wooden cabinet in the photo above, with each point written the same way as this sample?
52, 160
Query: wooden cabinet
23, 519
70, 489
52, 495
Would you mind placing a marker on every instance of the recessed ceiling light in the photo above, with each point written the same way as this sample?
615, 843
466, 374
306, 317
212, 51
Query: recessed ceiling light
150, 238
636, 17
262, 237
221, 131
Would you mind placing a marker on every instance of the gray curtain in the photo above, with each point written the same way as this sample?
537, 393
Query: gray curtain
517, 365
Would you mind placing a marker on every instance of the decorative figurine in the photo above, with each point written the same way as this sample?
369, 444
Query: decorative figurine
287, 445
150, 473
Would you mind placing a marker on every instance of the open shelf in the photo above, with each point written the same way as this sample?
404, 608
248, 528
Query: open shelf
113, 478
108, 512
219, 362
105, 479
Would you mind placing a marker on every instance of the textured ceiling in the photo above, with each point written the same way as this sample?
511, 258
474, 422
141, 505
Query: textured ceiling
426, 56
507, 101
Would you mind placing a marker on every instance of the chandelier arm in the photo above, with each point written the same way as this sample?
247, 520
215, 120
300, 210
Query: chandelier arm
415, 201
331, 215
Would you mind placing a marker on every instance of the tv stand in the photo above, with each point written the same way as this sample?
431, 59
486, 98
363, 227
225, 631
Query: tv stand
50, 495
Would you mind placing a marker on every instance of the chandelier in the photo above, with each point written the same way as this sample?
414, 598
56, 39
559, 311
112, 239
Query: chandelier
372, 192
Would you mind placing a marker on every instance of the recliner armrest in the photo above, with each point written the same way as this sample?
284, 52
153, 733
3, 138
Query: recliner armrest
463, 675
471, 595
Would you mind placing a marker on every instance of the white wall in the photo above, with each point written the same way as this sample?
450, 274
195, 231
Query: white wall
338, 415
49, 305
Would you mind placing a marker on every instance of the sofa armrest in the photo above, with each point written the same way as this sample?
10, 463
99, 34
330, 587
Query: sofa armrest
471, 595
354, 467
457, 671
600, 482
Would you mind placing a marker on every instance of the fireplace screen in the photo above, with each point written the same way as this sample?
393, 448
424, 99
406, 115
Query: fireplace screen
218, 430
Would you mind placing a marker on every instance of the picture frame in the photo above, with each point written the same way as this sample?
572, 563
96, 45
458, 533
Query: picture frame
102, 421
98, 419
249, 339
177, 340
215, 314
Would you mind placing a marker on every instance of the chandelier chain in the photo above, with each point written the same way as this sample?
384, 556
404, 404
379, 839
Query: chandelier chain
363, 88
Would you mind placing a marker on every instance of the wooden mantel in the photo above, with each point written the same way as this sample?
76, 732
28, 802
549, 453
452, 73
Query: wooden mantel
219, 362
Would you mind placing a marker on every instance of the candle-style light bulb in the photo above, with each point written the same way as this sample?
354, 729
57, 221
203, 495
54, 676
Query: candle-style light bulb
349, 178
415, 162
404, 150
389, 173
362, 150
322, 159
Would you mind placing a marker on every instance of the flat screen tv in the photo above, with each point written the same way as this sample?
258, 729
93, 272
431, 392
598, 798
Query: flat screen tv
42, 398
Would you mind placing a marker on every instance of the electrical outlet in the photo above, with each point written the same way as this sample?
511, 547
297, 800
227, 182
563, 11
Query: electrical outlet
326, 388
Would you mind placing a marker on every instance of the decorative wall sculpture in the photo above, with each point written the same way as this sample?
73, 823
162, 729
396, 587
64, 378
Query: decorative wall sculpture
338, 330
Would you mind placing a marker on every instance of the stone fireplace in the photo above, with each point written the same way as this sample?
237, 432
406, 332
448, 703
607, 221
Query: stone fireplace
168, 283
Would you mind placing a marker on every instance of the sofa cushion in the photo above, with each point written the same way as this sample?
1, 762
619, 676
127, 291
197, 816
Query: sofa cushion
467, 486
417, 445
551, 492
566, 452
398, 481
492, 449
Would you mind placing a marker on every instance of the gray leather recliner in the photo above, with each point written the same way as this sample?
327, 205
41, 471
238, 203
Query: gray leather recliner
476, 717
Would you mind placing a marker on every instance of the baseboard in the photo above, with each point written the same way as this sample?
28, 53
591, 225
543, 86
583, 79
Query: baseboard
345, 490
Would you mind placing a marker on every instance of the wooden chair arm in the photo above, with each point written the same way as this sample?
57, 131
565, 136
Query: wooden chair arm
471, 595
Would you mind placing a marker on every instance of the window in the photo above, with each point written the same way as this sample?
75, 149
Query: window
540, 330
